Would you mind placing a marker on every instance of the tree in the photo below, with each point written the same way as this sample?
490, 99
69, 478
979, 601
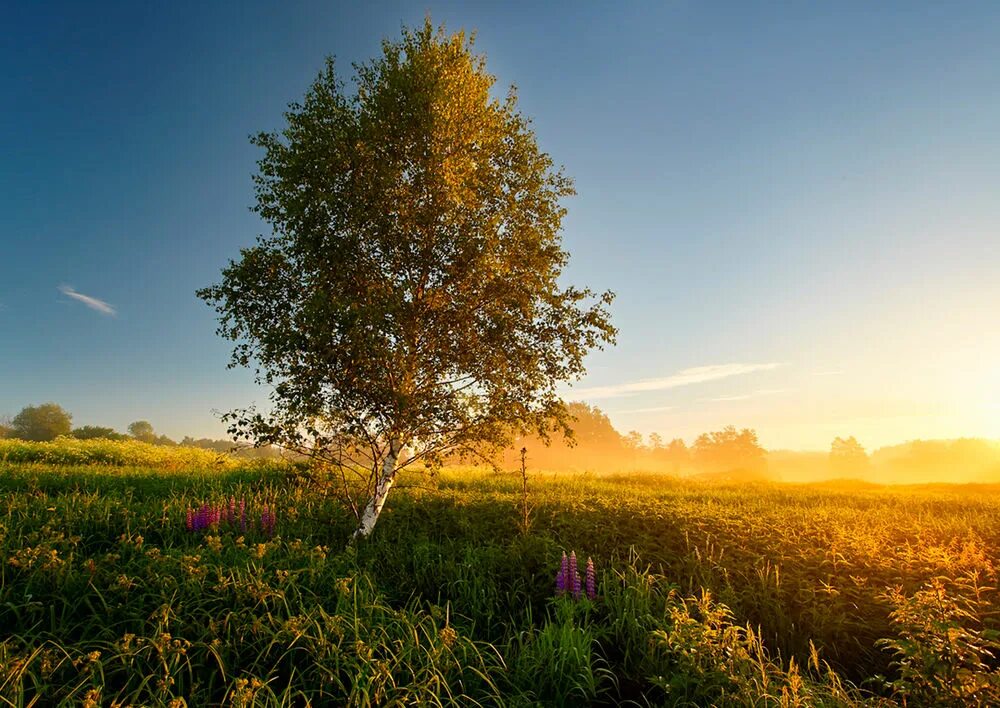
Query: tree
93, 432
407, 304
677, 455
592, 428
730, 452
847, 455
142, 430
6, 429
43, 422
632, 441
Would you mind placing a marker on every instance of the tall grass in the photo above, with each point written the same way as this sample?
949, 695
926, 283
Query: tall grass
707, 595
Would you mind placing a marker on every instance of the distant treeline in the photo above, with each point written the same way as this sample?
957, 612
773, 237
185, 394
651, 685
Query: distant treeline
731, 454
959, 461
48, 421
727, 454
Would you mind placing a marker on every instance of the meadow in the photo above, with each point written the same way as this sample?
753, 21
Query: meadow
143, 576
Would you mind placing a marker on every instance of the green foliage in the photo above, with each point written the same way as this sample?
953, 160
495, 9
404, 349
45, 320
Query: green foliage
558, 664
944, 654
94, 432
408, 304
42, 422
707, 594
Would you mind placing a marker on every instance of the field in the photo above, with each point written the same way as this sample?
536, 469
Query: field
706, 594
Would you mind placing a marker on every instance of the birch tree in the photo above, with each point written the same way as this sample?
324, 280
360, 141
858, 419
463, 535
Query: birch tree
407, 305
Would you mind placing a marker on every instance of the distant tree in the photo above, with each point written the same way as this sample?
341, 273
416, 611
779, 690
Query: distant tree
407, 306
142, 430
43, 422
591, 427
6, 429
729, 451
163, 440
655, 442
209, 444
677, 455
847, 455
92, 432
633, 440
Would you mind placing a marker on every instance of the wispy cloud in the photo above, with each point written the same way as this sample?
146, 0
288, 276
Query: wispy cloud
685, 377
653, 409
92, 302
752, 394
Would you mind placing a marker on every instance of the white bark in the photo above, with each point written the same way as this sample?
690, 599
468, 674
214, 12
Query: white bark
385, 479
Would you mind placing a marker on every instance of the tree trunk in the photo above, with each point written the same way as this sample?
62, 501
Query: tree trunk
374, 506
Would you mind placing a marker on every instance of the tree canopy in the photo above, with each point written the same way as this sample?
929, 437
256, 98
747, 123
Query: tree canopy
847, 455
142, 430
407, 304
730, 452
93, 432
42, 422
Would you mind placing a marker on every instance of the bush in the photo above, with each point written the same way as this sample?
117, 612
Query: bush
944, 655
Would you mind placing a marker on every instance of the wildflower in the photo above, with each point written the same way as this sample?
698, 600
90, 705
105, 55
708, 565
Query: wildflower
574, 576
190, 520
591, 580
562, 575
92, 699
267, 521
568, 578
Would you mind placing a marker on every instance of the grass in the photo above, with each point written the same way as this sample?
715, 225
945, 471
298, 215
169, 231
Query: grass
707, 595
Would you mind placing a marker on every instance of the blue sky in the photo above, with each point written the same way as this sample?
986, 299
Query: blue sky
796, 203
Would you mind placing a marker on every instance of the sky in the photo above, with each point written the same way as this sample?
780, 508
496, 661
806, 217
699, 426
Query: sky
795, 203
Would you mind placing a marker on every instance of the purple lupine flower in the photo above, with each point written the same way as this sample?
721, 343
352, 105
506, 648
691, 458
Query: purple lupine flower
190, 519
243, 515
267, 521
574, 576
591, 580
562, 574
